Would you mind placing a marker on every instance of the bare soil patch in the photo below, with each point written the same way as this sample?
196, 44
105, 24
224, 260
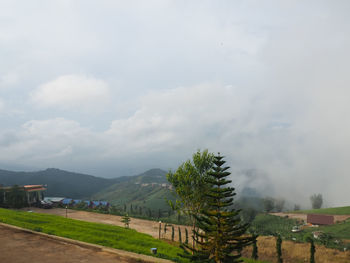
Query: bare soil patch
22, 247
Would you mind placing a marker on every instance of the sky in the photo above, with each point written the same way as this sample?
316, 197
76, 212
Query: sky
114, 88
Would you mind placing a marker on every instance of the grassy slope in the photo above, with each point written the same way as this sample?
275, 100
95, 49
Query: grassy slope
101, 234
345, 210
132, 192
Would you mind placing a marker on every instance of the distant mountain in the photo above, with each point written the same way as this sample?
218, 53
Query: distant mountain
149, 189
59, 182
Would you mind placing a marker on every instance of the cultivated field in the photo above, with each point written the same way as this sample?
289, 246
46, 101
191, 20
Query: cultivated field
297, 252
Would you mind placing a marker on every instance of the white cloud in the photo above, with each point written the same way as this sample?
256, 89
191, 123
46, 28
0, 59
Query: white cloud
72, 92
2, 105
9, 79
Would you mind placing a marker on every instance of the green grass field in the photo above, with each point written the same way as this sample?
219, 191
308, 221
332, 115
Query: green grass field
101, 234
345, 210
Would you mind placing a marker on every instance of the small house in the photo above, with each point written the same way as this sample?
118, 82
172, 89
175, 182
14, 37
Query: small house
33, 193
320, 219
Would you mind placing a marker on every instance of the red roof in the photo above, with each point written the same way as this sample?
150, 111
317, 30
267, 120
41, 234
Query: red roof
30, 188
320, 219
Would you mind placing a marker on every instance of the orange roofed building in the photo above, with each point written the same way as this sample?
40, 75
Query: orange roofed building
320, 219
34, 193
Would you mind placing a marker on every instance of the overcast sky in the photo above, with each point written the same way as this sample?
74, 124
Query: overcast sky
114, 88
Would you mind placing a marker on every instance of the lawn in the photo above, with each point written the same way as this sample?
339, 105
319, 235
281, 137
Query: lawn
345, 210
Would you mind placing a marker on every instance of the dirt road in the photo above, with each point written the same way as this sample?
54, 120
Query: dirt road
140, 225
18, 246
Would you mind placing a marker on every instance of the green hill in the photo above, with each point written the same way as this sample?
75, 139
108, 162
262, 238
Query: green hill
59, 182
149, 189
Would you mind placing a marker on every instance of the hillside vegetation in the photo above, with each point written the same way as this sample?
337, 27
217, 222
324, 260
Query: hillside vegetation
59, 182
345, 210
118, 191
146, 190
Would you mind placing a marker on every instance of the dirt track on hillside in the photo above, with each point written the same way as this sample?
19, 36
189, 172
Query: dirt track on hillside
19, 246
140, 225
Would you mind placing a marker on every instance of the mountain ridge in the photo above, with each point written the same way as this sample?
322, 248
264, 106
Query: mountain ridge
71, 184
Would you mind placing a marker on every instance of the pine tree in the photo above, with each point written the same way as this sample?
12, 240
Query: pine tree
220, 237
126, 220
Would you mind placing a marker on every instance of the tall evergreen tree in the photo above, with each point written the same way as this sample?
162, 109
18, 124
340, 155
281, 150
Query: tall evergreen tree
220, 237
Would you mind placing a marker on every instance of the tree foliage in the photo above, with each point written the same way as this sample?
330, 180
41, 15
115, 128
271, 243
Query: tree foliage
221, 235
279, 204
269, 204
316, 201
189, 182
16, 197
